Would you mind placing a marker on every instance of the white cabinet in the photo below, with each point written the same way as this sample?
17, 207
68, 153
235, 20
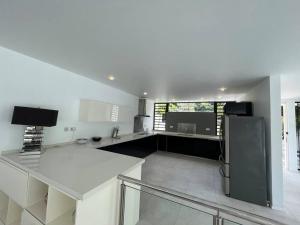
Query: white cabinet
96, 111
13, 182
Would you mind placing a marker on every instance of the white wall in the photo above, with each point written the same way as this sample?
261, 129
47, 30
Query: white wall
266, 102
25, 81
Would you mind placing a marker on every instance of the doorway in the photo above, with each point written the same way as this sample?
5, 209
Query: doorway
297, 114
284, 134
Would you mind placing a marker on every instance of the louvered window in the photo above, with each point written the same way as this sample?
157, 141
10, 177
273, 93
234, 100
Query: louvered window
115, 113
160, 110
219, 109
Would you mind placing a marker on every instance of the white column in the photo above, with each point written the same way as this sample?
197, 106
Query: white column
276, 143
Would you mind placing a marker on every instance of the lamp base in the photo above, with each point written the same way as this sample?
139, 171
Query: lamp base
33, 138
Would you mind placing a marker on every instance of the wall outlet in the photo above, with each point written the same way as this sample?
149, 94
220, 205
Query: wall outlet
73, 129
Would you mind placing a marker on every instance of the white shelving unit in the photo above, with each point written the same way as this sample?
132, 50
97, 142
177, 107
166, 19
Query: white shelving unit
48, 205
28, 199
10, 211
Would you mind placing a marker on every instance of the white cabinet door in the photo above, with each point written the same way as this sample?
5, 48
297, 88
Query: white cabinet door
13, 182
95, 111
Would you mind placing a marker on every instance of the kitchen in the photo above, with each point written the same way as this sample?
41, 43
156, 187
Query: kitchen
183, 142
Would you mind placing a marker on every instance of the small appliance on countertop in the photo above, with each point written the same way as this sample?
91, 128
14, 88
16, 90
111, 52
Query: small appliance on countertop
82, 141
96, 139
115, 133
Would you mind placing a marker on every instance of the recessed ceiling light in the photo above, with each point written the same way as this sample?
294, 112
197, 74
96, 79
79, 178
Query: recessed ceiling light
145, 93
222, 89
111, 77
219, 97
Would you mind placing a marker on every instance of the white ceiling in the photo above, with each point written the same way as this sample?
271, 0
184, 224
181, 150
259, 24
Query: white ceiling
290, 86
173, 49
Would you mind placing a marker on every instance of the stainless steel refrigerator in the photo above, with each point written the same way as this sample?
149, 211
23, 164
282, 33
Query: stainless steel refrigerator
245, 159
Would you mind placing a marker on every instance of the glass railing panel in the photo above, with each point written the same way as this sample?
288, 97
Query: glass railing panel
146, 204
145, 208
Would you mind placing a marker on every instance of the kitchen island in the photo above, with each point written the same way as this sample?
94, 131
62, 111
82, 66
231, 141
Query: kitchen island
71, 184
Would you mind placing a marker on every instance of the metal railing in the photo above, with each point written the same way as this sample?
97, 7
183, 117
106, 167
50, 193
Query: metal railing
220, 213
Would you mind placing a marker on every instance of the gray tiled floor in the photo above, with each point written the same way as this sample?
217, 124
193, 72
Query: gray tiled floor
201, 178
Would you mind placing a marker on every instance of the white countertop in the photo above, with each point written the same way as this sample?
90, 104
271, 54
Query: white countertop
80, 170
76, 170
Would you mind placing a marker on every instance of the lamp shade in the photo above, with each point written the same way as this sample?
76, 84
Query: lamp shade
34, 116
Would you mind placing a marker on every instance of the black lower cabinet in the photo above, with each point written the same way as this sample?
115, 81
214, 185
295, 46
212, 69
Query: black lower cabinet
192, 146
143, 147
161, 142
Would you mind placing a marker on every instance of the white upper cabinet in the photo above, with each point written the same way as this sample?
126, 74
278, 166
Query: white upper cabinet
96, 111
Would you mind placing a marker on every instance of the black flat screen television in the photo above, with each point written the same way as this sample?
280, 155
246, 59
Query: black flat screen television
34, 116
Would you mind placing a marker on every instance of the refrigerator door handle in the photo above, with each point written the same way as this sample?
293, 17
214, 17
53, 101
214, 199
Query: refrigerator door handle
221, 171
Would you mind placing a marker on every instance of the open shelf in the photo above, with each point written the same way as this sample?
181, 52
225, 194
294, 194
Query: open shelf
4, 200
60, 207
48, 205
38, 210
10, 211
37, 199
65, 219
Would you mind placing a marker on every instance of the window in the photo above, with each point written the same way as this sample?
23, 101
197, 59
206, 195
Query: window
160, 110
219, 110
115, 113
191, 107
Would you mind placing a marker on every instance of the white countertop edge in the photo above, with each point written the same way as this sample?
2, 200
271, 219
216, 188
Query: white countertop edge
96, 189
